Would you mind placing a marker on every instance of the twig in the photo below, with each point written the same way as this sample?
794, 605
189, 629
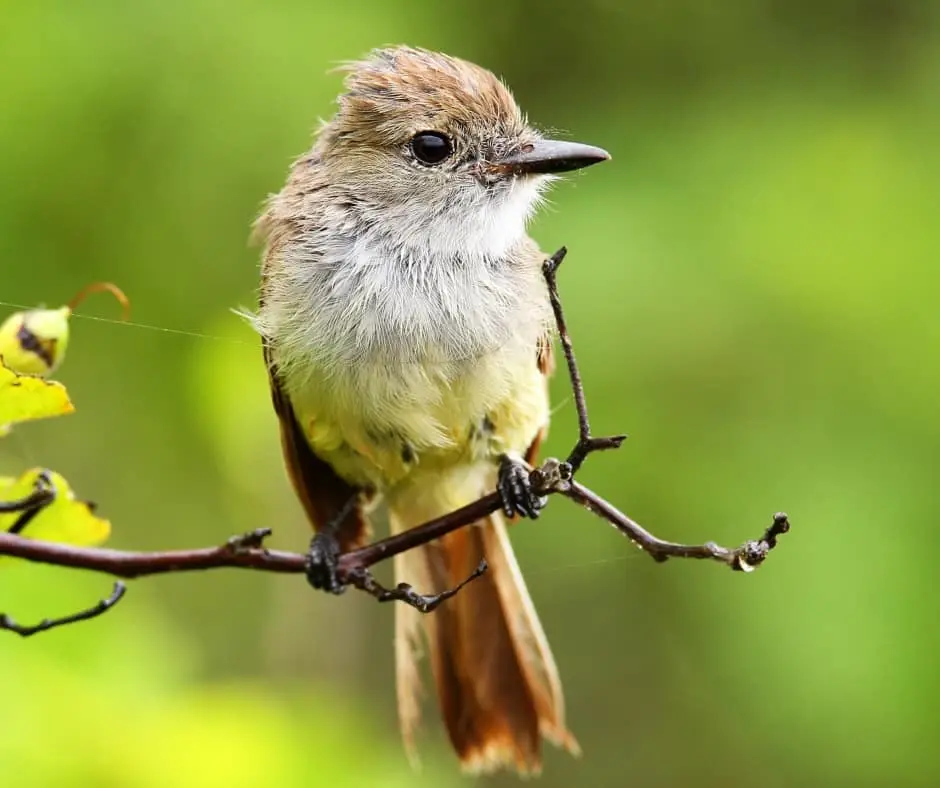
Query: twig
129, 565
746, 557
247, 551
586, 443
362, 579
43, 494
8, 624
40, 496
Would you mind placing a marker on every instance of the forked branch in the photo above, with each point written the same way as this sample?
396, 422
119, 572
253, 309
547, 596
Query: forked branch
248, 552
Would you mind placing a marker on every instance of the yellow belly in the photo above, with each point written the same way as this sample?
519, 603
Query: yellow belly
383, 427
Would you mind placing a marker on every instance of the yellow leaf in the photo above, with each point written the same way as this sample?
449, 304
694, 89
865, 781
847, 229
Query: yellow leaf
65, 519
25, 397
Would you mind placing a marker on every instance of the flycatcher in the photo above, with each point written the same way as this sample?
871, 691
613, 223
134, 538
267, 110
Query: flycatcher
407, 333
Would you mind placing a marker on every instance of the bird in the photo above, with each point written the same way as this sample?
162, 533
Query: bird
407, 335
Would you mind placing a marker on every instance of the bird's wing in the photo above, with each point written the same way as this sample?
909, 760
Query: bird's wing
321, 491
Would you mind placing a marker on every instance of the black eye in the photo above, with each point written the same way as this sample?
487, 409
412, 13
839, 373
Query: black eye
431, 147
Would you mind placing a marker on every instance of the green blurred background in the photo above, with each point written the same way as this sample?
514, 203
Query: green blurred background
751, 293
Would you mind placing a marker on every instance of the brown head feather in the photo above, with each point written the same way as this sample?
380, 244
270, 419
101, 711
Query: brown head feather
399, 91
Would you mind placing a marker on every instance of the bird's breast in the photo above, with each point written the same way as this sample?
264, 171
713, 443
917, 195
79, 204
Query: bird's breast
376, 422
395, 357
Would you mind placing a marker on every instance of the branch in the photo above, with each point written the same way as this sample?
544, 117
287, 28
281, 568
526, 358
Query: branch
248, 552
586, 443
129, 564
745, 557
41, 495
44, 493
46, 624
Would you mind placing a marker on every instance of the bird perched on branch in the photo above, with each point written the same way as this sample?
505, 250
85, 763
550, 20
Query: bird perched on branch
407, 332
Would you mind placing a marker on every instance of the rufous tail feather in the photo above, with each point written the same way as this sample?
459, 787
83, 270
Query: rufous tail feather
496, 679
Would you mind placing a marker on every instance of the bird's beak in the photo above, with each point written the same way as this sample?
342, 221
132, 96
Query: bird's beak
550, 156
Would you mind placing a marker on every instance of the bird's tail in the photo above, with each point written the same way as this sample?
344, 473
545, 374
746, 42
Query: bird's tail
496, 679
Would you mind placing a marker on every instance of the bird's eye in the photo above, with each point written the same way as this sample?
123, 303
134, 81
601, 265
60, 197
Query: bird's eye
431, 147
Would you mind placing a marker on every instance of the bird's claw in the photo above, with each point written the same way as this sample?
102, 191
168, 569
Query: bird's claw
323, 562
515, 490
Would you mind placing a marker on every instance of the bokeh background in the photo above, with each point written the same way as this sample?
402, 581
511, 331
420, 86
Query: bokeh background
752, 293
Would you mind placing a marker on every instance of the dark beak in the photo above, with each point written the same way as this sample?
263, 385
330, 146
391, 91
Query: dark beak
549, 156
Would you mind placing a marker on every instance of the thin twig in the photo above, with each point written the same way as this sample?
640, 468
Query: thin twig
43, 494
746, 557
586, 442
8, 624
362, 579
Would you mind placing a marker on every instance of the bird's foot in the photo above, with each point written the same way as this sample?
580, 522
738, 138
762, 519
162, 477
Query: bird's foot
323, 563
515, 489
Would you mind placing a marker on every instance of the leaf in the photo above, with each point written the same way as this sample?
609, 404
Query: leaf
32, 345
25, 397
65, 519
